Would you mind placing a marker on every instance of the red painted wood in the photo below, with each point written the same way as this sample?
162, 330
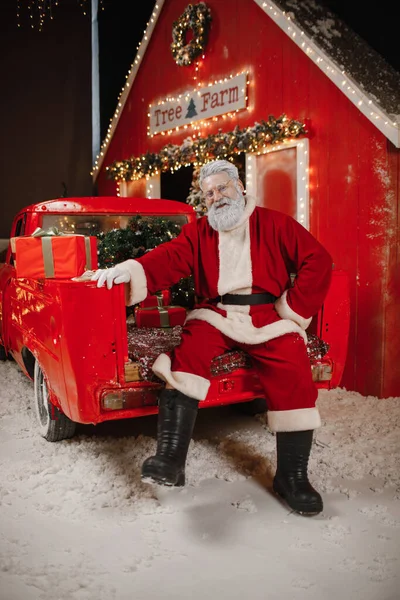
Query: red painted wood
391, 371
354, 170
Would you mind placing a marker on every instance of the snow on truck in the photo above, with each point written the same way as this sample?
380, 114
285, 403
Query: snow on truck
51, 317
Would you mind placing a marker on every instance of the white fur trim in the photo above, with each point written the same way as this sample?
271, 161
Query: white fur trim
193, 386
235, 273
285, 312
300, 419
136, 290
239, 327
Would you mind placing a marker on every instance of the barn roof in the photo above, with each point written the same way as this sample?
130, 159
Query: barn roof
358, 70
346, 58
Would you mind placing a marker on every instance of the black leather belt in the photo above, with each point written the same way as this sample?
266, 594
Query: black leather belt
244, 299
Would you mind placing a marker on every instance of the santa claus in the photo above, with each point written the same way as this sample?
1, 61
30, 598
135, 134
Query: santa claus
241, 257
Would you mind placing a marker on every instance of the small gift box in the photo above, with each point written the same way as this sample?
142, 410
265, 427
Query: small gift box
49, 254
162, 298
160, 316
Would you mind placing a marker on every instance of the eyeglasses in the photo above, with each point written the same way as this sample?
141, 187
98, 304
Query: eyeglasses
221, 189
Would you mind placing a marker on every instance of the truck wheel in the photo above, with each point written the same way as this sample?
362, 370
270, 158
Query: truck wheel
53, 424
3, 354
252, 408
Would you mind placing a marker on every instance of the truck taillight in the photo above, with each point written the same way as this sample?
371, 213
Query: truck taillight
130, 398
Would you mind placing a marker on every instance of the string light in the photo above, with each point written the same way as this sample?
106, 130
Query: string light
199, 151
130, 77
41, 10
382, 121
342, 80
302, 174
201, 124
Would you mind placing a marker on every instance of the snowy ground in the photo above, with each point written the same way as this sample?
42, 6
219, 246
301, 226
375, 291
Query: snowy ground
76, 523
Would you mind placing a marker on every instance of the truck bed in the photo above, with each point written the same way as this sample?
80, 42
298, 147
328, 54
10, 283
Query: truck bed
146, 343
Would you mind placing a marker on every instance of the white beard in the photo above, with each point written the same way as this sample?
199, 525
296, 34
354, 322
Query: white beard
227, 217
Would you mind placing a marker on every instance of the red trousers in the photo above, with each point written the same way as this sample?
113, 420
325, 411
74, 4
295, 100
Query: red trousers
282, 364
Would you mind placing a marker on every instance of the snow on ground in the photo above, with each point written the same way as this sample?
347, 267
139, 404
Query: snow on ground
76, 523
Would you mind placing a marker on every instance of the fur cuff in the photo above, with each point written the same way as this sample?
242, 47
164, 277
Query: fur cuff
191, 385
285, 312
300, 419
136, 289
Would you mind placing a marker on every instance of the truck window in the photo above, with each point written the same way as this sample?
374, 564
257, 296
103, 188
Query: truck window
95, 224
20, 226
19, 230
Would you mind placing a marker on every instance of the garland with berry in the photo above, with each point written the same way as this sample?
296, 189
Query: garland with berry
196, 17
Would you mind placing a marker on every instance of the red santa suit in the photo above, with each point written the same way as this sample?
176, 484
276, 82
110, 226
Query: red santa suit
257, 255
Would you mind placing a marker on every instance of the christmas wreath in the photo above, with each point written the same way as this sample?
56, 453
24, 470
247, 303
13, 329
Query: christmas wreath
198, 18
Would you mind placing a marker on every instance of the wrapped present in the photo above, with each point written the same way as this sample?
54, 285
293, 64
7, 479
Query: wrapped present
230, 361
147, 343
50, 254
160, 316
162, 298
316, 348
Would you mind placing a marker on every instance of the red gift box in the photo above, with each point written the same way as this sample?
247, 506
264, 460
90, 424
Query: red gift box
162, 298
54, 256
160, 316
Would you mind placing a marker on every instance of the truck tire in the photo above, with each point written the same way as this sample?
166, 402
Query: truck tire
253, 407
3, 354
53, 424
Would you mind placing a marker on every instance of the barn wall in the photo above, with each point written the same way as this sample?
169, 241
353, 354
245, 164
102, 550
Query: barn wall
354, 170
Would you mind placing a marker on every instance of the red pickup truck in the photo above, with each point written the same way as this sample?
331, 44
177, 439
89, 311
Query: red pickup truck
51, 328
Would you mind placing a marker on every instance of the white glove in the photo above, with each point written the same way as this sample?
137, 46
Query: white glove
117, 274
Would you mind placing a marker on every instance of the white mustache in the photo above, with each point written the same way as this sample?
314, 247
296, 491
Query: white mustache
223, 201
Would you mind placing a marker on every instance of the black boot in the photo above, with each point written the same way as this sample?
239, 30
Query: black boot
291, 479
176, 418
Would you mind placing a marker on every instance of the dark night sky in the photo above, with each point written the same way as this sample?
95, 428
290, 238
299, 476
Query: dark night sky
46, 85
121, 29
122, 23
377, 24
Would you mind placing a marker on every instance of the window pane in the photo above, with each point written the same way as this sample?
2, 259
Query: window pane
94, 224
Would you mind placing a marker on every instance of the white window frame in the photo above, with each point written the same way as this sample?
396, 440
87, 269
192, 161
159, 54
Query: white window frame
302, 169
153, 187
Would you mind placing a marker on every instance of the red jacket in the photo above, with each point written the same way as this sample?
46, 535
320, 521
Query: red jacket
258, 255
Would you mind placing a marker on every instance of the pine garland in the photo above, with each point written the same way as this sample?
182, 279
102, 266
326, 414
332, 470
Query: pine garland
218, 146
140, 236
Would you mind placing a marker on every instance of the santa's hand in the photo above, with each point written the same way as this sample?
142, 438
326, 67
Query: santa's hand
117, 274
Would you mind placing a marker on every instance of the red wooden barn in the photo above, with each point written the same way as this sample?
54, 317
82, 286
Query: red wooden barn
312, 111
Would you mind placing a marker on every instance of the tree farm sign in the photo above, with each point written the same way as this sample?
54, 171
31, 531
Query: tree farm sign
199, 104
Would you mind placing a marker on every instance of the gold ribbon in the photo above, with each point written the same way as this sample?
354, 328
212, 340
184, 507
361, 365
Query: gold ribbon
48, 261
39, 232
163, 312
164, 316
47, 249
88, 254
